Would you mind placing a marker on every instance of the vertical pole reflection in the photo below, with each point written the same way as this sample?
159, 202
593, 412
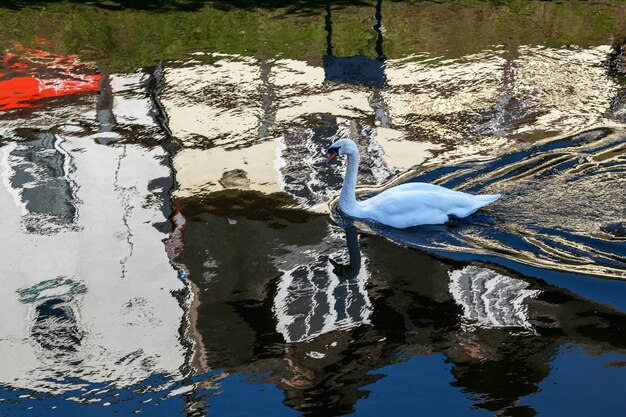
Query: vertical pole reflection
377, 27
104, 106
329, 29
268, 97
377, 103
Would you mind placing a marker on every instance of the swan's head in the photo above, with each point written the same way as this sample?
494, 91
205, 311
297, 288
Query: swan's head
341, 147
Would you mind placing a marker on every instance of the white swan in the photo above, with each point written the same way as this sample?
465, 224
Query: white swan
405, 205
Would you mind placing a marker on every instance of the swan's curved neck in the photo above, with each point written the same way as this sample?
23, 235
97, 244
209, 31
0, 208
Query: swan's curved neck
347, 198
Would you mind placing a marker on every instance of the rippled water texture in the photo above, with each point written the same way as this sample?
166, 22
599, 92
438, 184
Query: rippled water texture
172, 243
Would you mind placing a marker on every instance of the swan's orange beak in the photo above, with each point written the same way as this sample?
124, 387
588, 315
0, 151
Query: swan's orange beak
331, 155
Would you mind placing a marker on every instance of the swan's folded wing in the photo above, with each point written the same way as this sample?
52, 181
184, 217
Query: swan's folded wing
410, 206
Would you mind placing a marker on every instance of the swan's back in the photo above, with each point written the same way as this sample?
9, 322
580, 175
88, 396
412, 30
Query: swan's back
413, 204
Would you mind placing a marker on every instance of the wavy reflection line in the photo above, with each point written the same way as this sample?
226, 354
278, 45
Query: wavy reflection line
533, 258
489, 299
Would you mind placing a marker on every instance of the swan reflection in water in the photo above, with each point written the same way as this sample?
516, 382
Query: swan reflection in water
323, 296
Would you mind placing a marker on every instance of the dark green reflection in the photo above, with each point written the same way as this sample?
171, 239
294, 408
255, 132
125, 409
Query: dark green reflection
122, 35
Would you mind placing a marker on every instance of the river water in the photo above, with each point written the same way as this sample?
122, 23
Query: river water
172, 243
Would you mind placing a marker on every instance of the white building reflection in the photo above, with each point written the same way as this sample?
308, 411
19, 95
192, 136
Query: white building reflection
88, 287
471, 106
490, 299
307, 114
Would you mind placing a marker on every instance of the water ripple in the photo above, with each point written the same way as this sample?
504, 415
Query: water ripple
560, 203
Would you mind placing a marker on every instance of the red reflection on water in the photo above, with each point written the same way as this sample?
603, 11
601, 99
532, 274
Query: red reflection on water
35, 75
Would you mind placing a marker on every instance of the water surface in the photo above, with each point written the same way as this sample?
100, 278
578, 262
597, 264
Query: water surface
172, 241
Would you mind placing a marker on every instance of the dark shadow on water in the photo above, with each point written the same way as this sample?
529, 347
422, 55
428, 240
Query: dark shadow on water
255, 276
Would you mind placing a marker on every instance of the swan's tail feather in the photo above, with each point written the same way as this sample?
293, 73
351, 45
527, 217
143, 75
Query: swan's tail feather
485, 199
